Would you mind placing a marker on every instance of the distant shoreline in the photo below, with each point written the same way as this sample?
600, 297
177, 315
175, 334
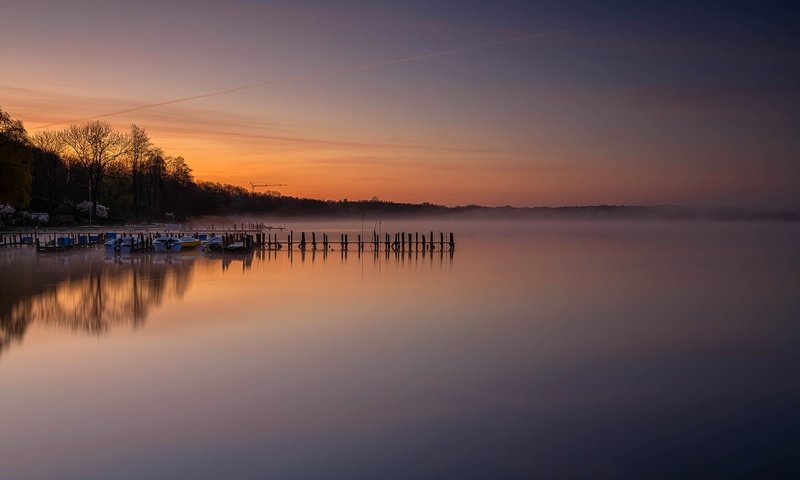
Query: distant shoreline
334, 210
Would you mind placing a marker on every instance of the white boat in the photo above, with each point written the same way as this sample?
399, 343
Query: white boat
166, 244
122, 244
129, 244
213, 239
238, 247
213, 244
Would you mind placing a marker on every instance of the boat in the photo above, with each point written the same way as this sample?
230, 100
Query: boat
166, 244
110, 244
237, 247
213, 244
129, 244
188, 242
123, 245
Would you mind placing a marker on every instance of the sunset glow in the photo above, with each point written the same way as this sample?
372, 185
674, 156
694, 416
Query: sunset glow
644, 105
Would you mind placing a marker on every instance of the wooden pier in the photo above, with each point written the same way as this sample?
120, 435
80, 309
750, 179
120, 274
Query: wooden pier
257, 238
399, 242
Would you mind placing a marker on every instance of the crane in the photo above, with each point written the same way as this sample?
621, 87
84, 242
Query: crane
253, 186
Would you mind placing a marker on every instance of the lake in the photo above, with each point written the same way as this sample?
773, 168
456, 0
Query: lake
538, 349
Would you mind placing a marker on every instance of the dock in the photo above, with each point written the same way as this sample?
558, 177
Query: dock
251, 236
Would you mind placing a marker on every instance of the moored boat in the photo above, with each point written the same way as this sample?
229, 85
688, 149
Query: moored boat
129, 244
123, 244
237, 247
166, 244
189, 242
213, 244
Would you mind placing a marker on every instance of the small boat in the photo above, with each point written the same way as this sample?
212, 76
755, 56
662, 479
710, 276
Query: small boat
213, 244
166, 244
123, 245
237, 247
188, 242
129, 244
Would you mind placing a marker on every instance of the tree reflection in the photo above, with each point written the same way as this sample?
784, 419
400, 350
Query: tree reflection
85, 292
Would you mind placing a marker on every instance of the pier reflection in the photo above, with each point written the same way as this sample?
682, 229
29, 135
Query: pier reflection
85, 291
397, 257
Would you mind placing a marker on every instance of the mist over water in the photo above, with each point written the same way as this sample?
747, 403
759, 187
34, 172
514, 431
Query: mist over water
554, 349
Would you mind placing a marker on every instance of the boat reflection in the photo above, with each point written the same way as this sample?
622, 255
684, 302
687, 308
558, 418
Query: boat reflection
85, 292
229, 259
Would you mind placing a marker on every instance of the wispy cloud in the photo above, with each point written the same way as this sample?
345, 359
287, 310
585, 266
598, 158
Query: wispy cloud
312, 75
209, 125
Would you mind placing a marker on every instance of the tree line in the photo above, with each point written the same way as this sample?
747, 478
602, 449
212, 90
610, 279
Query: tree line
54, 171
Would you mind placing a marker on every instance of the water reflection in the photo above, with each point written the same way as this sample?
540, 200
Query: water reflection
85, 291
245, 260
397, 257
91, 291
555, 350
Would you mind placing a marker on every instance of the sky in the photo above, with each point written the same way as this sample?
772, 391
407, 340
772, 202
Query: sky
519, 103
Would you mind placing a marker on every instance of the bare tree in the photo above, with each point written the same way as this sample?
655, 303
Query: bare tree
94, 146
49, 141
139, 146
50, 171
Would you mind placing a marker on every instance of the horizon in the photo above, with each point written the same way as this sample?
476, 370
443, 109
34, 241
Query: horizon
504, 105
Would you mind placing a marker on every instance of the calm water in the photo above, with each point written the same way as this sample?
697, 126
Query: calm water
538, 350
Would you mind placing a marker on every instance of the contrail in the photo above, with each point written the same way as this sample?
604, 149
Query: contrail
321, 73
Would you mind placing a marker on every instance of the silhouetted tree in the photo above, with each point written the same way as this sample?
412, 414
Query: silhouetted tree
94, 146
50, 172
155, 173
139, 146
15, 162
